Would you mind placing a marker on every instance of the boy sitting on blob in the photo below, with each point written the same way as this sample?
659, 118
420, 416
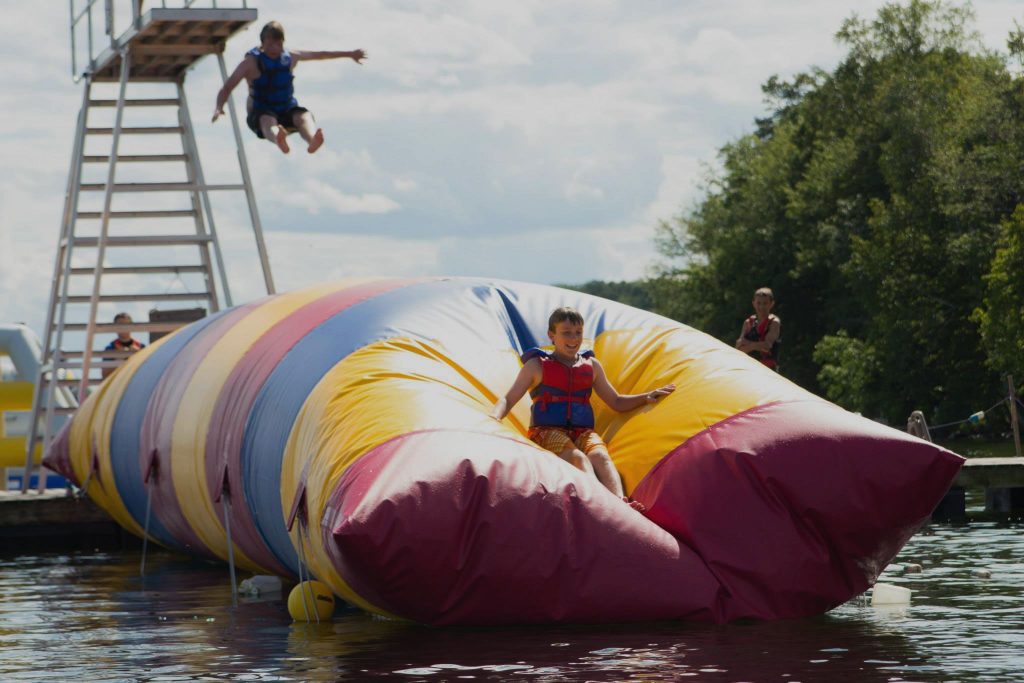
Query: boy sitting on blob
560, 384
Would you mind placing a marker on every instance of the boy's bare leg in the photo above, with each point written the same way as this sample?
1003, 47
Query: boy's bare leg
307, 129
605, 470
576, 458
274, 132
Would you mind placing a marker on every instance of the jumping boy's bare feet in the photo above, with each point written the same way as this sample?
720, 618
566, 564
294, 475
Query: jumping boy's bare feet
282, 140
318, 139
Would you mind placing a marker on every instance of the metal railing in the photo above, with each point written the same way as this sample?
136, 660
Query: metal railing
97, 33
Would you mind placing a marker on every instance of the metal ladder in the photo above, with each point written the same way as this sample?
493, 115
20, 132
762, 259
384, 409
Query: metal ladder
83, 280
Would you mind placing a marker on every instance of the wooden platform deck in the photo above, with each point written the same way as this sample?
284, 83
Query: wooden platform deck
991, 473
167, 42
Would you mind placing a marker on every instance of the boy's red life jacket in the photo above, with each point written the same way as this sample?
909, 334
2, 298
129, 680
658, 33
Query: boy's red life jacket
132, 344
562, 399
758, 332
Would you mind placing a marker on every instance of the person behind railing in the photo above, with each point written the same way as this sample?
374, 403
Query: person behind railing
123, 342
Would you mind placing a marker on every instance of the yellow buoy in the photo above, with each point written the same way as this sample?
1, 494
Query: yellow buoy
311, 601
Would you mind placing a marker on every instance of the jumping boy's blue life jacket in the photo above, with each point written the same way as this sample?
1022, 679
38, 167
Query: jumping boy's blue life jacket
562, 399
273, 90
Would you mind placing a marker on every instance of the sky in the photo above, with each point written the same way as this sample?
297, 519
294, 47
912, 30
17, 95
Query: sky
536, 140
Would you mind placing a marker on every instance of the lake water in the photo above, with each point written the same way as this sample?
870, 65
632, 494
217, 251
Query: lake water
90, 616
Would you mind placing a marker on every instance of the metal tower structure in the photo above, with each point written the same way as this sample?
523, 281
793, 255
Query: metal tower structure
149, 218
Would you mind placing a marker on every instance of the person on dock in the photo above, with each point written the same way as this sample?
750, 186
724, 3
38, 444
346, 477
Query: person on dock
761, 331
560, 384
273, 111
123, 342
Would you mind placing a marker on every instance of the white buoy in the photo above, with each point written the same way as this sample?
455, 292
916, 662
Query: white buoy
261, 584
888, 594
912, 568
981, 573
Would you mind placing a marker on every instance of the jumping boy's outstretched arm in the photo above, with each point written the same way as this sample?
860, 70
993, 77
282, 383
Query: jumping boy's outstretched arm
356, 56
247, 69
624, 402
529, 376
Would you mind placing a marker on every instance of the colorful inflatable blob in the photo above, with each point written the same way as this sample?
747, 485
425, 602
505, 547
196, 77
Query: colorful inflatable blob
345, 427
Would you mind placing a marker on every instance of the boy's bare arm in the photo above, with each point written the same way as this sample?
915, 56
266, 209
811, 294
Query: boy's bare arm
622, 403
529, 375
741, 341
356, 56
247, 69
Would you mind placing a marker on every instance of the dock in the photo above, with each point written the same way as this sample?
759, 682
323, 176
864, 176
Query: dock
55, 521
1002, 482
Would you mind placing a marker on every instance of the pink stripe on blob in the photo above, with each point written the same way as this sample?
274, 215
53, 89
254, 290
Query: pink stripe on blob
461, 527
158, 426
227, 423
796, 507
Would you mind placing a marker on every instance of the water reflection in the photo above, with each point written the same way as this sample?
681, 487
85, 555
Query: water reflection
94, 617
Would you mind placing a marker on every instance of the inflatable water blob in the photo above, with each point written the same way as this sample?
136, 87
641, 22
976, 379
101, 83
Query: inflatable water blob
341, 432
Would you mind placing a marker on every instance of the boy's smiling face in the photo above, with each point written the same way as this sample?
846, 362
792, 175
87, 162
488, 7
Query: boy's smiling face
567, 338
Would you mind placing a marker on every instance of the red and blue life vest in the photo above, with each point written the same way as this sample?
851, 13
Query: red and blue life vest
273, 90
562, 399
757, 332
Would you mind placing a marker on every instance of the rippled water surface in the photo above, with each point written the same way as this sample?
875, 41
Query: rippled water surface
90, 616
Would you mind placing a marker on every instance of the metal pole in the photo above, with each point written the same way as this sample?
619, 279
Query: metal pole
1013, 415
257, 228
61, 269
195, 175
74, 61
101, 245
231, 548
145, 530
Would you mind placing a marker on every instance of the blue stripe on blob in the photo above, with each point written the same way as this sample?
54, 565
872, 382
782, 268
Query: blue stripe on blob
451, 310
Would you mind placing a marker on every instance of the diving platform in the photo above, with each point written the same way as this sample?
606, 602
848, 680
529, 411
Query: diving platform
163, 43
145, 226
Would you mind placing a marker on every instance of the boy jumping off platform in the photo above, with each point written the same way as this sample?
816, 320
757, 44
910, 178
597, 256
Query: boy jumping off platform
560, 384
273, 111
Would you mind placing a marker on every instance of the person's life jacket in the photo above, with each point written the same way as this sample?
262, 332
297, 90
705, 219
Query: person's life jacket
562, 399
273, 90
132, 344
757, 332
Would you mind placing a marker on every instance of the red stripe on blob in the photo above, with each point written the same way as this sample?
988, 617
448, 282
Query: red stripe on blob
461, 527
227, 423
158, 426
796, 507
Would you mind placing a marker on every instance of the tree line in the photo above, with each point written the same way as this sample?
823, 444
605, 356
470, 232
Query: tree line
883, 202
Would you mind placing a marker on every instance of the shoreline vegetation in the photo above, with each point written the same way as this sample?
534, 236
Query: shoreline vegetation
883, 202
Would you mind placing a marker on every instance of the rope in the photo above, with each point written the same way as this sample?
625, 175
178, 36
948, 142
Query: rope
958, 422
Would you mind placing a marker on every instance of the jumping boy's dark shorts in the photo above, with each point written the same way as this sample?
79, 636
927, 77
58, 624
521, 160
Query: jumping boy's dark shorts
284, 118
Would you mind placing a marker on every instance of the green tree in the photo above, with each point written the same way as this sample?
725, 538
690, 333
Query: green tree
870, 199
1001, 317
637, 294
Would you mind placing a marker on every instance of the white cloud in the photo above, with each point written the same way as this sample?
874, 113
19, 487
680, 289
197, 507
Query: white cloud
315, 196
475, 135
